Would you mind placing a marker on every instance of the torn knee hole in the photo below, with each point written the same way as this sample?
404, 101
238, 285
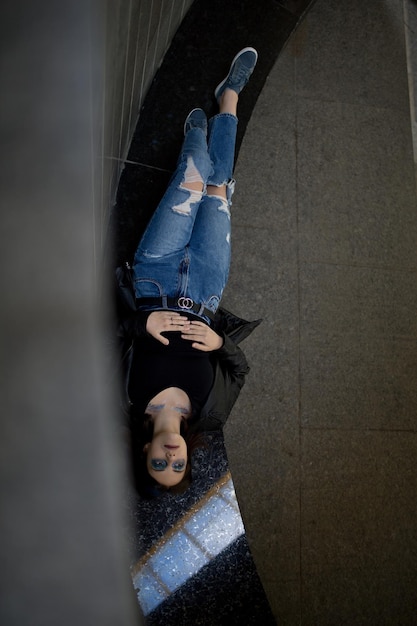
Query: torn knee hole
191, 174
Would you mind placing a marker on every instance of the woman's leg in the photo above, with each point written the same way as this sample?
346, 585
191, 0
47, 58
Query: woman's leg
221, 146
171, 225
200, 249
209, 247
160, 254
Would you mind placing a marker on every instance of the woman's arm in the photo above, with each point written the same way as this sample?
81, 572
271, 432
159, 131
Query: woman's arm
134, 325
231, 356
143, 323
230, 373
165, 321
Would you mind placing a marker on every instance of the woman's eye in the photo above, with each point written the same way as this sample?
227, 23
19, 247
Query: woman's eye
158, 464
178, 466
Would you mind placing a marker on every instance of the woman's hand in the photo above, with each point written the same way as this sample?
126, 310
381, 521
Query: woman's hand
163, 321
202, 336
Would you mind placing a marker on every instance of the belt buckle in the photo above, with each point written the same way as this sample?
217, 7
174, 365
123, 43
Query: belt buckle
185, 303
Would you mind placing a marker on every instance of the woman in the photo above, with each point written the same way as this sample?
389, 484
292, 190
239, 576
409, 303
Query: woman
187, 370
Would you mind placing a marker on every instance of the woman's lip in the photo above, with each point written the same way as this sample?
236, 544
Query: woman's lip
171, 447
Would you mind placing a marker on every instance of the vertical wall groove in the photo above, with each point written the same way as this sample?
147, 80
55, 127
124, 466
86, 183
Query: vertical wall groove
137, 35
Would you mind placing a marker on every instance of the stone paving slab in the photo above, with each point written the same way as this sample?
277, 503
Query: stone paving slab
325, 225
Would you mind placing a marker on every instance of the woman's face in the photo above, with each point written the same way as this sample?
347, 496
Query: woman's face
166, 458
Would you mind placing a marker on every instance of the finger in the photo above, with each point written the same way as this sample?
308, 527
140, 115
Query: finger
178, 325
200, 346
182, 321
172, 319
192, 336
191, 329
162, 339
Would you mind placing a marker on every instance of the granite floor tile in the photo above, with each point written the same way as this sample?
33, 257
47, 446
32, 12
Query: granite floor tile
358, 596
273, 380
272, 349
356, 186
358, 382
266, 189
282, 83
358, 530
260, 275
331, 458
269, 292
342, 61
284, 598
360, 301
274, 543
272, 439
266, 199
266, 466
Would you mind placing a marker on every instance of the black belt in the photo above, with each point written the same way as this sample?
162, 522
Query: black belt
186, 304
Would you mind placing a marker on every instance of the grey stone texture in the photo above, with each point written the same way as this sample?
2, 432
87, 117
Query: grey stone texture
322, 442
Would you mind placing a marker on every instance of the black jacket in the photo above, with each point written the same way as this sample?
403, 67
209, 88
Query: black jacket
231, 366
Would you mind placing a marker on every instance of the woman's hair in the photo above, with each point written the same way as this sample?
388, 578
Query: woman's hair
141, 434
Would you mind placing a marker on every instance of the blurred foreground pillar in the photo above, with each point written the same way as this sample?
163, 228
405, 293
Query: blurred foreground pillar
62, 528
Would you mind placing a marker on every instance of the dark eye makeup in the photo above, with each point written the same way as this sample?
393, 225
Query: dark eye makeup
159, 465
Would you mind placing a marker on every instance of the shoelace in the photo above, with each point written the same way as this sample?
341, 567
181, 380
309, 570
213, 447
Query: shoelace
240, 72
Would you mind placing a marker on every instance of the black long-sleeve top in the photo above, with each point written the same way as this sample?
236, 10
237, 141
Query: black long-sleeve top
156, 367
220, 373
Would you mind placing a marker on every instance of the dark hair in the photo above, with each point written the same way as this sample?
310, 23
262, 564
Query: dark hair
141, 434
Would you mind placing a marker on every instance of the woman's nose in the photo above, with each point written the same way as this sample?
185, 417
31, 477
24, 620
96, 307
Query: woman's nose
170, 454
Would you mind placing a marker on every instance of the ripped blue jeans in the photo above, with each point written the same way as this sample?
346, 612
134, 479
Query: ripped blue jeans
185, 249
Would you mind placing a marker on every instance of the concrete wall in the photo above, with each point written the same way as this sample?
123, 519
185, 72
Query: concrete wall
71, 89
138, 33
